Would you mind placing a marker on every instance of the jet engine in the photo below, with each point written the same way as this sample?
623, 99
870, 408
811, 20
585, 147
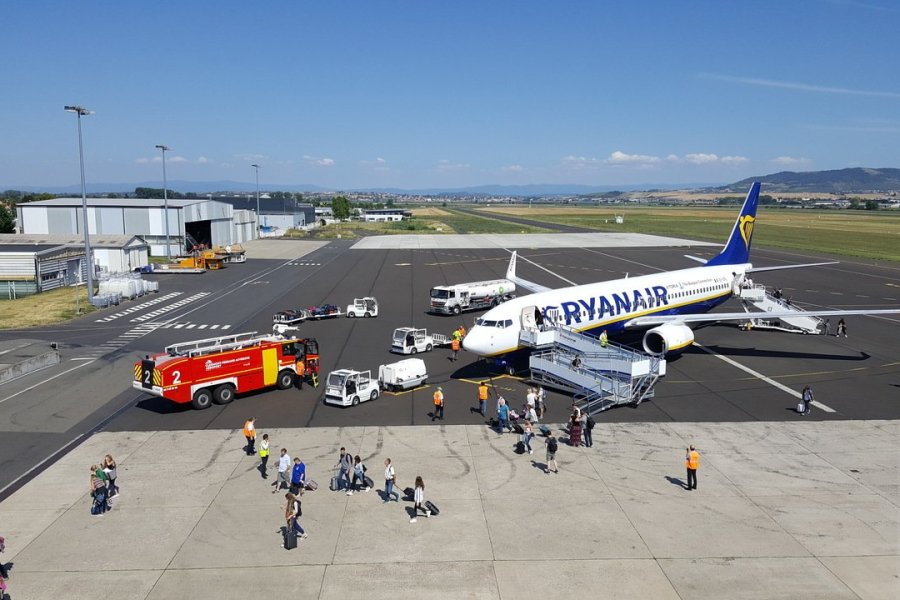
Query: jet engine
667, 338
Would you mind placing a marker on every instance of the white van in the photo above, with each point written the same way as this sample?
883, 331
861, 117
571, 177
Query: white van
346, 387
402, 375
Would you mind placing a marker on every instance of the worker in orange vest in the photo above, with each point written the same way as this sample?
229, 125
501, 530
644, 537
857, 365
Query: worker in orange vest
438, 405
250, 434
301, 371
691, 462
454, 345
482, 397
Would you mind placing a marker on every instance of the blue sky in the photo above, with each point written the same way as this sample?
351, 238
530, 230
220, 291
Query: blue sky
448, 94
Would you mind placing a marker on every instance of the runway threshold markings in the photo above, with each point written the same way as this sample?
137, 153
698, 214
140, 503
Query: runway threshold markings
762, 377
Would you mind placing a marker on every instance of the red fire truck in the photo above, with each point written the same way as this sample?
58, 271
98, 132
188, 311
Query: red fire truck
215, 369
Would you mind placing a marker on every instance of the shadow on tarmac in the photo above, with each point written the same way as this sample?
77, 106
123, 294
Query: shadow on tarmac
730, 351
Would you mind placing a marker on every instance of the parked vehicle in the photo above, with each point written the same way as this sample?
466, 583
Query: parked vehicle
363, 307
478, 295
409, 340
402, 375
347, 387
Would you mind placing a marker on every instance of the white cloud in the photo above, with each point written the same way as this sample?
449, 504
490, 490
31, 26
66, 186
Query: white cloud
177, 159
380, 160
708, 158
446, 165
319, 162
250, 157
620, 158
155, 160
581, 163
203, 160
790, 161
513, 168
700, 158
797, 86
734, 161
146, 161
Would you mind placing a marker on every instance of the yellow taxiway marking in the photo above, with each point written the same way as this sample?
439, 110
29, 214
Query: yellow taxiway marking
404, 392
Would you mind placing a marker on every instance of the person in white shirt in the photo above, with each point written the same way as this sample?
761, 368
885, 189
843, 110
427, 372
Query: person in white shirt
419, 500
390, 478
284, 466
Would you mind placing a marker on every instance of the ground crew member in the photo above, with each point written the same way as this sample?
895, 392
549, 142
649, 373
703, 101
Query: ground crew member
264, 456
604, 339
454, 345
250, 434
691, 462
438, 405
301, 371
313, 369
482, 397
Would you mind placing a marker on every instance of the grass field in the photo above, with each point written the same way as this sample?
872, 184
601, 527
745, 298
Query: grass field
50, 307
849, 233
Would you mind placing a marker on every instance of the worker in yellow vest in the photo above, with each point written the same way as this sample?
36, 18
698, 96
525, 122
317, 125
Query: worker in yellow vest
264, 456
692, 463
438, 405
250, 434
482, 397
604, 339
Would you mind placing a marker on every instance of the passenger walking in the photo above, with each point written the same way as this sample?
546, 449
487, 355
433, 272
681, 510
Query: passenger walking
4, 573
529, 414
419, 500
527, 436
264, 456
250, 434
692, 463
841, 328
552, 447
503, 415
284, 463
438, 405
390, 478
531, 398
109, 468
541, 397
806, 398
345, 463
292, 513
298, 477
482, 397
588, 430
97, 488
575, 428
359, 474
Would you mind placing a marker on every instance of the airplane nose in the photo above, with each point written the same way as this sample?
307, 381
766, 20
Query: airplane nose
475, 342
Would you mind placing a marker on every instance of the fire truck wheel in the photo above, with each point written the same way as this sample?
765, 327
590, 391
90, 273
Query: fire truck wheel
285, 379
223, 394
355, 400
374, 395
202, 399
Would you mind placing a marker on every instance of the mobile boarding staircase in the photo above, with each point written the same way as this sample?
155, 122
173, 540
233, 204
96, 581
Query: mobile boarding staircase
219, 344
757, 296
607, 376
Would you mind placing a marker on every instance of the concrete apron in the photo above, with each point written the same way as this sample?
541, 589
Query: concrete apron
783, 510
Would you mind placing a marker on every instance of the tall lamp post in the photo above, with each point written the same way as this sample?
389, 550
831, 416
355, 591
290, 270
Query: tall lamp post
258, 222
81, 111
164, 148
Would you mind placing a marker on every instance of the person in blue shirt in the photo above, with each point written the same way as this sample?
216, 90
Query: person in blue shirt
503, 415
298, 474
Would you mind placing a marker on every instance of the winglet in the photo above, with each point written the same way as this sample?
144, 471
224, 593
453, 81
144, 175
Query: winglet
737, 250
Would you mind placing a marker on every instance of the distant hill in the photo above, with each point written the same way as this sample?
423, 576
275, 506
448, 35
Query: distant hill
840, 181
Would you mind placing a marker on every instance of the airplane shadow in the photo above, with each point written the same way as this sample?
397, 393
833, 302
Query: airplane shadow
755, 352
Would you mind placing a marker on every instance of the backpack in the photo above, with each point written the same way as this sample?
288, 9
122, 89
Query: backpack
590, 423
551, 445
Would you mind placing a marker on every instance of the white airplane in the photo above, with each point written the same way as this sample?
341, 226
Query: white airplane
663, 304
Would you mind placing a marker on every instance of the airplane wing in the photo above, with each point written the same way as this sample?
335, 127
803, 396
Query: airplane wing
780, 267
653, 320
528, 285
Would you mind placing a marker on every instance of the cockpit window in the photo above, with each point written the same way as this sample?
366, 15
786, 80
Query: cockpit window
479, 321
489, 323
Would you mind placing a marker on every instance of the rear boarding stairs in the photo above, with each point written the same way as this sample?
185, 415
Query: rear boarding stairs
757, 296
604, 376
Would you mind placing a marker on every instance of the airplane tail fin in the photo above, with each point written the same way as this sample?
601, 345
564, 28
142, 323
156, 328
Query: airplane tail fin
511, 269
737, 250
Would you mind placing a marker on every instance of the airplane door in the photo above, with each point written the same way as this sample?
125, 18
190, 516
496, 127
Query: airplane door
528, 321
551, 317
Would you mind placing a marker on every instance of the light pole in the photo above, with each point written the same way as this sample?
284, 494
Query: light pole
80, 111
258, 222
163, 148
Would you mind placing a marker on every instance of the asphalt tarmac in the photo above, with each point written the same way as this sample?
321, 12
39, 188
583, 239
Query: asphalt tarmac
857, 377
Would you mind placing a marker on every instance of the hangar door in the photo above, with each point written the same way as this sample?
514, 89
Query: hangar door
200, 232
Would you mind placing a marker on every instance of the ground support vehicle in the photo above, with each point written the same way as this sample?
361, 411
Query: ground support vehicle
402, 375
409, 340
233, 253
213, 370
295, 316
363, 307
347, 387
477, 295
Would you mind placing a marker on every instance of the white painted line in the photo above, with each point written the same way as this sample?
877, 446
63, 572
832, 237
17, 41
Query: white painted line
202, 326
762, 377
226, 326
28, 389
179, 325
216, 326
192, 325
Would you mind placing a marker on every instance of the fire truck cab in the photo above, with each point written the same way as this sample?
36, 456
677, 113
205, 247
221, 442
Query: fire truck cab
213, 370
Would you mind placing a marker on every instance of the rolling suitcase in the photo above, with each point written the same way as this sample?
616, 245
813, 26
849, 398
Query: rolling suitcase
369, 483
800, 408
409, 494
518, 428
311, 485
290, 539
545, 431
431, 508
333, 486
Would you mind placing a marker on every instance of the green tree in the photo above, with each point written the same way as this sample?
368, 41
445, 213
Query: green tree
854, 204
871, 205
7, 220
340, 207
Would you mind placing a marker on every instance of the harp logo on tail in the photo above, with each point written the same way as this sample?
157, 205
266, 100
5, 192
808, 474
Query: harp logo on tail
746, 228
